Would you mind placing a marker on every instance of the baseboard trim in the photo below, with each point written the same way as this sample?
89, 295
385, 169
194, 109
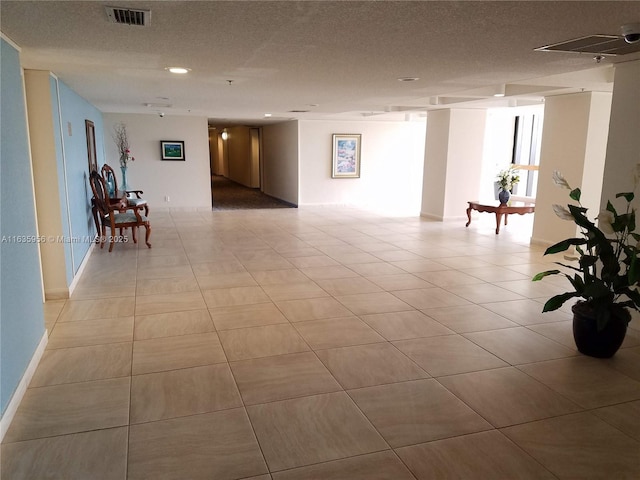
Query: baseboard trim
431, 216
56, 294
14, 403
538, 242
78, 275
179, 210
65, 293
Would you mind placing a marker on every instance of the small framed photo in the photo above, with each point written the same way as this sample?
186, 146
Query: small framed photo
346, 156
172, 150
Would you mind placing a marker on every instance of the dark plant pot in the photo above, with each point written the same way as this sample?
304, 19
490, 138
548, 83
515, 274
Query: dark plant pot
503, 196
601, 344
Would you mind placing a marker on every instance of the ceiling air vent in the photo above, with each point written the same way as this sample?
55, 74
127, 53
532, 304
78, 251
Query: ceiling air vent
594, 44
128, 16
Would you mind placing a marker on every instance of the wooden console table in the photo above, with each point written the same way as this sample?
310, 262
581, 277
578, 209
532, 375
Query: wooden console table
499, 210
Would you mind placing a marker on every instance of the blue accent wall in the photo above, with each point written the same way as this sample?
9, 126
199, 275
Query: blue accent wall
57, 129
74, 111
21, 311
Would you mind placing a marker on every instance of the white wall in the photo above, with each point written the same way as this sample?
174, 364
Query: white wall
187, 184
435, 163
280, 161
392, 156
238, 145
574, 137
45, 178
623, 147
452, 162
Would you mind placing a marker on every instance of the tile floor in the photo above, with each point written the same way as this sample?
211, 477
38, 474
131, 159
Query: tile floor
314, 344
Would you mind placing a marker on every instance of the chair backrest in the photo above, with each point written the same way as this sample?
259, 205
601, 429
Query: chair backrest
100, 195
109, 177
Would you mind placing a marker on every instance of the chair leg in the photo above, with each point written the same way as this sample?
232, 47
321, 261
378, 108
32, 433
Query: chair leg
103, 233
147, 234
111, 243
134, 234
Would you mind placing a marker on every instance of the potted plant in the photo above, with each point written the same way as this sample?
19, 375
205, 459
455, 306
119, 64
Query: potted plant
506, 180
605, 273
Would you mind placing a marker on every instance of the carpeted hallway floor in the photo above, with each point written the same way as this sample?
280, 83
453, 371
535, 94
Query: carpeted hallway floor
229, 195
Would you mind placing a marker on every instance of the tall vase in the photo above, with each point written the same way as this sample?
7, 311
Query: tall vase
504, 196
125, 185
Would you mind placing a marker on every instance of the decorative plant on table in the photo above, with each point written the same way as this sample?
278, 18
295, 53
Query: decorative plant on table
606, 275
122, 141
506, 180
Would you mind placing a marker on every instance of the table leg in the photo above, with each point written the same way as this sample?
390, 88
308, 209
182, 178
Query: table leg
468, 216
505, 218
498, 219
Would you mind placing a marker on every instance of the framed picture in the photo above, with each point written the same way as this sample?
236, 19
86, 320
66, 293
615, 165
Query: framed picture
346, 156
172, 149
91, 145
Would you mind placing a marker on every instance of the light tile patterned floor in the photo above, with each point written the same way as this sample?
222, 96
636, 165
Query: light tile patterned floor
315, 344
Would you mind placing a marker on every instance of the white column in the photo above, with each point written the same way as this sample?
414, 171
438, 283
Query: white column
46, 182
574, 140
452, 162
623, 146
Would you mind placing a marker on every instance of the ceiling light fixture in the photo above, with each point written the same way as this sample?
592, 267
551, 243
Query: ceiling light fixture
178, 70
500, 91
225, 134
408, 79
267, 115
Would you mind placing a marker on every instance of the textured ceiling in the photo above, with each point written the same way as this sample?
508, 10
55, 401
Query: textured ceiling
338, 60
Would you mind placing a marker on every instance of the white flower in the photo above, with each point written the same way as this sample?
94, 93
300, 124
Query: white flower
562, 212
605, 219
559, 180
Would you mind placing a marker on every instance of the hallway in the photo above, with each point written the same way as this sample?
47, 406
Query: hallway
229, 195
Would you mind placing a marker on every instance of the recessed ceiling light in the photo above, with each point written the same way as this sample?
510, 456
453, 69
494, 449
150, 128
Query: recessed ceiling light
498, 94
267, 114
179, 70
408, 79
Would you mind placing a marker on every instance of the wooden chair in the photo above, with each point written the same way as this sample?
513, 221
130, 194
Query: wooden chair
134, 202
116, 215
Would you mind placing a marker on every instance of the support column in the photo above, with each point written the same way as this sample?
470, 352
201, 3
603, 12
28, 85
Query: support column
48, 182
623, 146
452, 162
574, 142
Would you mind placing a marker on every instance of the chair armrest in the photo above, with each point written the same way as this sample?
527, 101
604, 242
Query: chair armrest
136, 192
118, 204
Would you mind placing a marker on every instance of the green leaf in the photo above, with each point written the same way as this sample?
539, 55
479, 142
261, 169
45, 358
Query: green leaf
628, 196
568, 266
634, 296
556, 302
610, 208
541, 275
634, 272
596, 290
575, 194
588, 260
578, 283
564, 245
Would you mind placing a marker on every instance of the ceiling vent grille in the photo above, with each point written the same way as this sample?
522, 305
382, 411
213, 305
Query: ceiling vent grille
128, 16
594, 44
